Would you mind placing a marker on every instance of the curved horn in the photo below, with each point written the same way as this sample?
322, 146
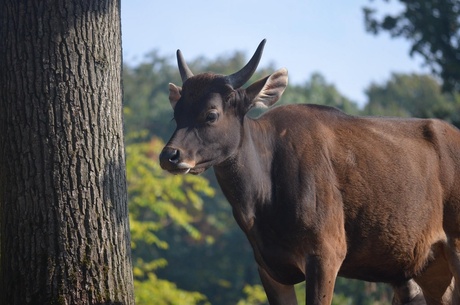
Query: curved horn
239, 78
184, 70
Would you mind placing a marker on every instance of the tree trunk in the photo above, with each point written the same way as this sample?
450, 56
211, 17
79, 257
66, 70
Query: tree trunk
63, 203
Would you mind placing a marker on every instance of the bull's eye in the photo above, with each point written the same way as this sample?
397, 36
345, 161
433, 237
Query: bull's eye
212, 116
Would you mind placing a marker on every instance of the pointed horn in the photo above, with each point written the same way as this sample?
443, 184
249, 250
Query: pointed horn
239, 78
184, 70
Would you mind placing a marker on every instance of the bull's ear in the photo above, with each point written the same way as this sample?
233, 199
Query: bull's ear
174, 94
267, 91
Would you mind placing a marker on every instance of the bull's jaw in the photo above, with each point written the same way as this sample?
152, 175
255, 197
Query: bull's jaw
179, 171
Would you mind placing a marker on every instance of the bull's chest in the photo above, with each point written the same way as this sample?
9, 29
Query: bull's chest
279, 253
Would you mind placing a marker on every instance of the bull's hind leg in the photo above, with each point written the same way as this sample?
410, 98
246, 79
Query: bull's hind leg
453, 257
452, 229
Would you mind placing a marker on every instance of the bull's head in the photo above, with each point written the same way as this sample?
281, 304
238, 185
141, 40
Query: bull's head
209, 111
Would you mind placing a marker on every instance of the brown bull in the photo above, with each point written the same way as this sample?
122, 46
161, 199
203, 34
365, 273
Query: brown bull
322, 194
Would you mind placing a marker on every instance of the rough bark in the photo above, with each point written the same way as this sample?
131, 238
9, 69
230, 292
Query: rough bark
63, 203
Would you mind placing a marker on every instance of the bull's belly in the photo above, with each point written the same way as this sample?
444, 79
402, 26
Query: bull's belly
387, 273
370, 259
289, 270
392, 264
288, 267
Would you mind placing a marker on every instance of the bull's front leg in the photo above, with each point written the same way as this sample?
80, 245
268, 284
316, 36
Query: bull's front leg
321, 273
277, 294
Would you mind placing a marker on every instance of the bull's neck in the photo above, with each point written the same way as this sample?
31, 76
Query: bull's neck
245, 178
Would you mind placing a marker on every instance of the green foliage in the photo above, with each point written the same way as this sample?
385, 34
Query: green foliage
255, 295
318, 91
413, 96
433, 28
219, 269
157, 201
154, 291
146, 102
187, 248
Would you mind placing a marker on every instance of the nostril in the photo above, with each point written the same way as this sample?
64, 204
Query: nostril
169, 157
174, 157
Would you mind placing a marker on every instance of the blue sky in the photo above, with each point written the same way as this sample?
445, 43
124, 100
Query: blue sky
305, 36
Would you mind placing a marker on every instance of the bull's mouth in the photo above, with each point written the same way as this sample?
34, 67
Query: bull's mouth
186, 168
181, 168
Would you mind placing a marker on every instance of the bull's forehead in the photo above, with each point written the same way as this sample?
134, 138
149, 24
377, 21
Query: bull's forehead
200, 92
197, 87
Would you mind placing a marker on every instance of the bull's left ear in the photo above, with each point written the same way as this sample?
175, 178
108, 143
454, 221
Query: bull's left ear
174, 94
267, 91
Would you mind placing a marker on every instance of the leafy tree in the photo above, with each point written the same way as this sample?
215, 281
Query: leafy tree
318, 91
63, 199
255, 295
146, 102
221, 268
155, 291
433, 28
157, 201
412, 95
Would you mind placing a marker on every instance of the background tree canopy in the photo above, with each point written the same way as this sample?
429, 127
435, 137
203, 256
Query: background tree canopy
411, 95
433, 28
187, 246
